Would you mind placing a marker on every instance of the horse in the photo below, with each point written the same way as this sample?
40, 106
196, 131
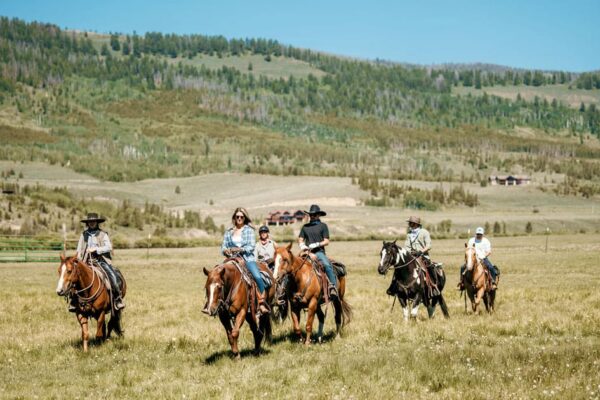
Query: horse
231, 297
477, 283
411, 282
306, 292
93, 299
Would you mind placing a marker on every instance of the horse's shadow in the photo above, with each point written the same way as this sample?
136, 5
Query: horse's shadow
213, 358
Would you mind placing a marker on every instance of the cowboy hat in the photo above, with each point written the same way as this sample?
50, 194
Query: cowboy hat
414, 220
93, 217
315, 210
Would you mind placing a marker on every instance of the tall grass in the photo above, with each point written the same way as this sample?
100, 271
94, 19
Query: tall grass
542, 342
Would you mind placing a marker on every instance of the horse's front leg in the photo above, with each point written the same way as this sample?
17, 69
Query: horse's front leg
478, 297
85, 335
404, 305
310, 317
226, 322
235, 333
101, 328
296, 321
321, 318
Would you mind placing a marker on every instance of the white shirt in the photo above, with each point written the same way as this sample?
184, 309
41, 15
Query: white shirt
483, 247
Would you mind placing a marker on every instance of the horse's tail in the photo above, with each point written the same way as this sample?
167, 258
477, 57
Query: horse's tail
115, 323
443, 306
346, 312
266, 328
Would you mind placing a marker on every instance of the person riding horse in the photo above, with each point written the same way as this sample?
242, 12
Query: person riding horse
95, 244
313, 238
483, 248
265, 247
239, 240
418, 242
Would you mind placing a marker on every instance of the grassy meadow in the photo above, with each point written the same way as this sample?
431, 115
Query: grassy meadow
542, 342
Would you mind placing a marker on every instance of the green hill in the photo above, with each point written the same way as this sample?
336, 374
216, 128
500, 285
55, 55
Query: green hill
128, 107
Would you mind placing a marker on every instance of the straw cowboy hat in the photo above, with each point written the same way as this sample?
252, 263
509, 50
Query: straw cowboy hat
315, 210
414, 220
93, 217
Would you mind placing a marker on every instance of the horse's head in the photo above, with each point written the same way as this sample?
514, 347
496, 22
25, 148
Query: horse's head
68, 275
214, 289
283, 261
470, 257
390, 256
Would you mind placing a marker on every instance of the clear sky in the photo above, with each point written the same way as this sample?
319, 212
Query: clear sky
550, 34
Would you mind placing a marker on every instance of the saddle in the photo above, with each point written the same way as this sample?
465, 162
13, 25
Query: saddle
247, 278
424, 271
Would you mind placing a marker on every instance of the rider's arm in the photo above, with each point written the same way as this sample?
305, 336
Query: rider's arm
488, 248
80, 247
105, 246
303, 246
248, 241
225, 244
426, 242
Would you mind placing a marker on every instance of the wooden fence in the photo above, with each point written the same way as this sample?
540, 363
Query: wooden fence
29, 249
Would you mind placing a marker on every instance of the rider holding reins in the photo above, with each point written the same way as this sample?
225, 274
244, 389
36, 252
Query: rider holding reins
313, 238
94, 245
239, 240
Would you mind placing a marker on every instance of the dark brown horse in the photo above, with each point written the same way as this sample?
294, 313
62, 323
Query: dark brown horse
231, 297
409, 278
307, 293
477, 282
85, 283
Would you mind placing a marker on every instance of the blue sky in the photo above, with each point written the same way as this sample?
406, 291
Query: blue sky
551, 34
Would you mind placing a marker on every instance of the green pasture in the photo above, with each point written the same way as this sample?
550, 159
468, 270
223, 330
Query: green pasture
542, 342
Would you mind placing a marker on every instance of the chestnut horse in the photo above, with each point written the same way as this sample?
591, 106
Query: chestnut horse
308, 294
230, 297
93, 300
477, 283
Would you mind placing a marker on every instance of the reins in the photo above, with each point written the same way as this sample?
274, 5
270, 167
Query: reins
87, 300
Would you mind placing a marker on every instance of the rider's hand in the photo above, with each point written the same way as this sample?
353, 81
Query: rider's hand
92, 250
227, 253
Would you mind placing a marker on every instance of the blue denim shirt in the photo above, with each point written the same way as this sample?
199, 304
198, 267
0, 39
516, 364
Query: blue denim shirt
248, 242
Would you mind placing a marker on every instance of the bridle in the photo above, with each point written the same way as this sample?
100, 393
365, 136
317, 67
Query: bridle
77, 292
394, 256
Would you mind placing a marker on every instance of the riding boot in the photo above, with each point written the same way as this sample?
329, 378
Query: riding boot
118, 301
333, 293
263, 306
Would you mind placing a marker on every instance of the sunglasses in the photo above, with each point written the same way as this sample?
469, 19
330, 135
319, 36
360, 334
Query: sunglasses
239, 217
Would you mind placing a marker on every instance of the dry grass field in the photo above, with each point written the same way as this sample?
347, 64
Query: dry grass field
543, 341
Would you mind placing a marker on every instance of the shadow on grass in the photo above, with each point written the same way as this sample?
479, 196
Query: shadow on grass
93, 342
213, 358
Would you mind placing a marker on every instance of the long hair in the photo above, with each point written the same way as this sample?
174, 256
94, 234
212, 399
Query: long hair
247, 220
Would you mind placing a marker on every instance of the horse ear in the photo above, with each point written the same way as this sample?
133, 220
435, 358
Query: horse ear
62, 257
395, 240
206, 272
466, 245
289, 246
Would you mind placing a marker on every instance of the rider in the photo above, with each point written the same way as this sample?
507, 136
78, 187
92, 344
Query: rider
313, 238
95, 244
239, 240
265, 247
418, 241
483, 248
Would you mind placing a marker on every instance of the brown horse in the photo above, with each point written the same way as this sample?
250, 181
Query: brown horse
477, 283
308, 288
229, 296
93, 300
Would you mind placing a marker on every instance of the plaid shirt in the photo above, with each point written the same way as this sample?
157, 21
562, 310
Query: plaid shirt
248, 242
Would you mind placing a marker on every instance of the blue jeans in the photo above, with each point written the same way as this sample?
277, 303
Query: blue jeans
328, 267
253, 268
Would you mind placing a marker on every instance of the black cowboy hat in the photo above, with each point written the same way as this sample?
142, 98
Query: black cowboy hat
315, 210
93, 217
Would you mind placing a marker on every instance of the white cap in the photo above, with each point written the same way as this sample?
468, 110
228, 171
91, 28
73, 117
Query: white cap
479, 231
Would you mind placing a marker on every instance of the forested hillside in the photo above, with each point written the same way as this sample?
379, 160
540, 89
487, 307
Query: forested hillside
128, 107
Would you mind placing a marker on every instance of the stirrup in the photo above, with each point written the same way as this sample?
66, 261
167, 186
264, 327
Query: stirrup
332, 291
119, 304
